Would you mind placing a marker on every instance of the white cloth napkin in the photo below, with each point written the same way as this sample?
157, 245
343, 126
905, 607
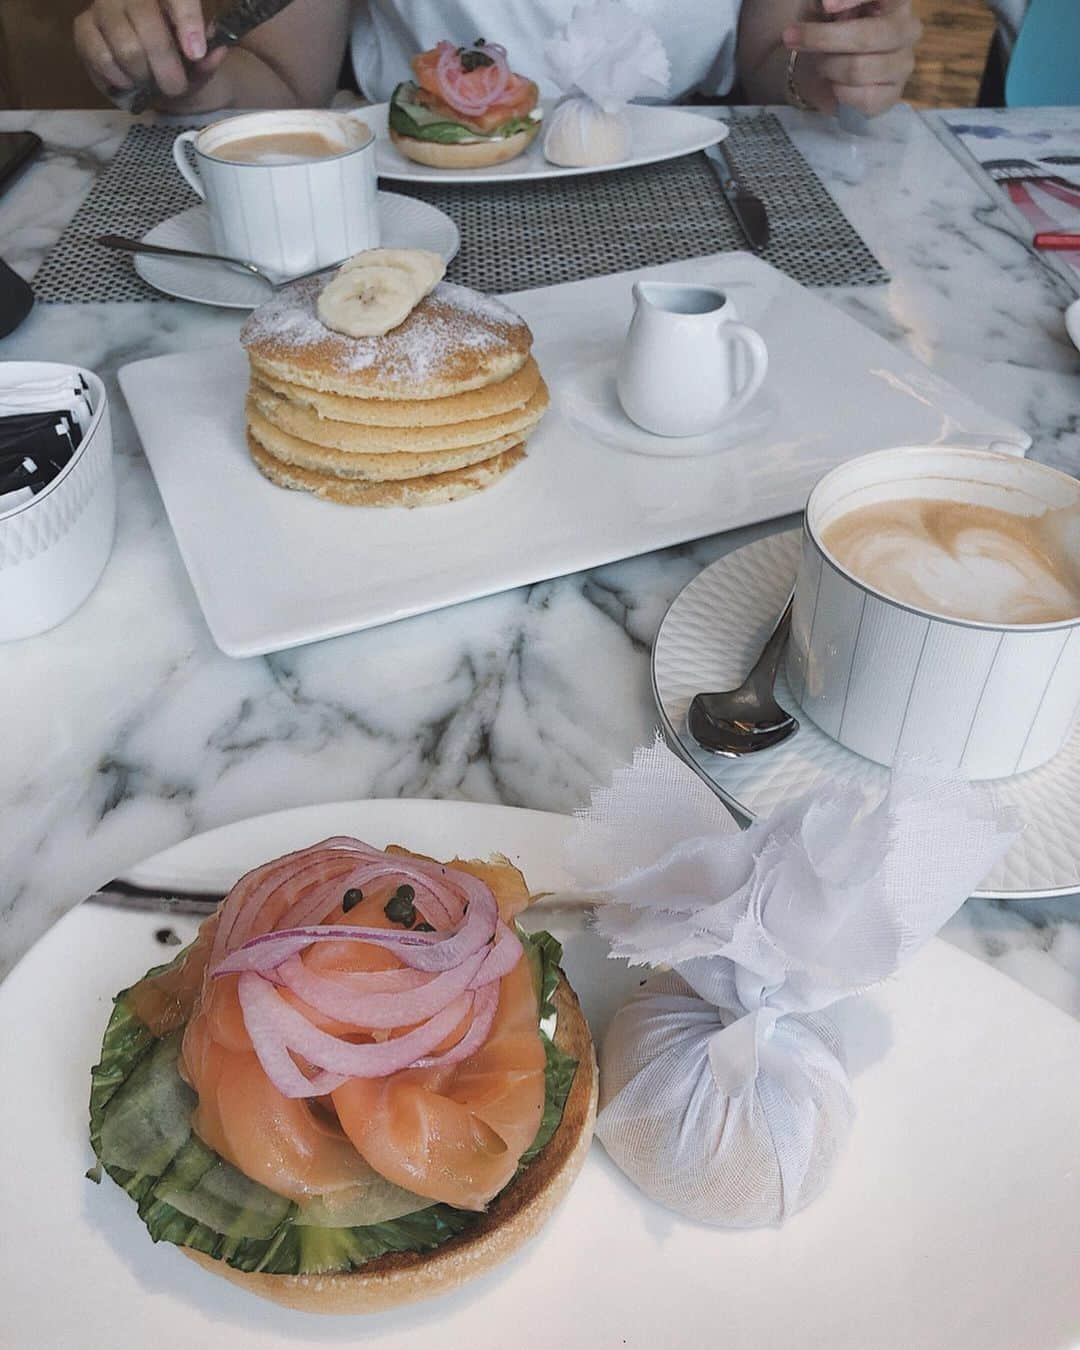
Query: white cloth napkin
723, 1069
609, 54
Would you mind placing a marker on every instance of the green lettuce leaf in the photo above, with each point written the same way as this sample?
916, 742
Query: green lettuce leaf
559, 1074
423, 124
186, 1194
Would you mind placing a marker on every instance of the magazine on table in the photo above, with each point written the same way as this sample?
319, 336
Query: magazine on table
1035, 160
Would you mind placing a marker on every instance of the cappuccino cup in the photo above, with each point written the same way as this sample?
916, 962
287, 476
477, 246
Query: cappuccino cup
289, 191
937, 609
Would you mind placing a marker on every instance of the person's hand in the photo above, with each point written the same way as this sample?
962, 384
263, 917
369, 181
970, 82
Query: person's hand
123, 43
860, 56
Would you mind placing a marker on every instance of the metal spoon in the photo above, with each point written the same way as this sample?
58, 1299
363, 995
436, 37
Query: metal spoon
741, 721
125, 245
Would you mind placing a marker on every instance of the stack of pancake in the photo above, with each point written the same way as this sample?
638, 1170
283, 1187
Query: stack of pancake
435, 409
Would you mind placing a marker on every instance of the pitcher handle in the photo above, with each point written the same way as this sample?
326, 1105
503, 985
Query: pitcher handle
184, 164
757, 351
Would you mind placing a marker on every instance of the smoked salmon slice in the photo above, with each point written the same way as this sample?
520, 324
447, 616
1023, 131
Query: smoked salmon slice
518, 99
457, 1135
165, 1001
451, 1133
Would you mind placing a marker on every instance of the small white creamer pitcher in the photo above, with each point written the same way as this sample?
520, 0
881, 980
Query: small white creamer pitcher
687, 365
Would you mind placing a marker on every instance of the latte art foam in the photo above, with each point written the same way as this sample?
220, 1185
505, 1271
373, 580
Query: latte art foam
964, 561
278, 147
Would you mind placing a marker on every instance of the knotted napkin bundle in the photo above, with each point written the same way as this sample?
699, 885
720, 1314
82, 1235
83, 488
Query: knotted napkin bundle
602, 58
723, 1089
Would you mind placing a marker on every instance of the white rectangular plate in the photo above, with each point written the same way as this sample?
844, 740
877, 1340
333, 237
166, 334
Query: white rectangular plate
950, 1222
655, 134
274, 569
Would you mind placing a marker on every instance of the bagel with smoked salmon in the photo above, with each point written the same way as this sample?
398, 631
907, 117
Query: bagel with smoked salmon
361, 1085
465, 108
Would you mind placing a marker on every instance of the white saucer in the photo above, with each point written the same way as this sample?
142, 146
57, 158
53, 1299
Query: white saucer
590, 401
404, 222
709, 639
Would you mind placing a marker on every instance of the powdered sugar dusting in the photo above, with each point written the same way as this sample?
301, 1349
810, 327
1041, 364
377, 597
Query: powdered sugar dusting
476, 303
452, 321
289, 318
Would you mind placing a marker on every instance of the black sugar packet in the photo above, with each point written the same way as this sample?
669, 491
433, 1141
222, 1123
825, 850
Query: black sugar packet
36, 447
34, 471
44, 430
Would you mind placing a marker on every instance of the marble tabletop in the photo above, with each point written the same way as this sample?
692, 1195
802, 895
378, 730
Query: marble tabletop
125, 729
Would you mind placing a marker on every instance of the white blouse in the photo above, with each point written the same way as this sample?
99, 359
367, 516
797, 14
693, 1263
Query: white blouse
699, 36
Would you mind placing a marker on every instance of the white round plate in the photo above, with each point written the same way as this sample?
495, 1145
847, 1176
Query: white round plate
710, 637
404, 222
656, 134
961, 1177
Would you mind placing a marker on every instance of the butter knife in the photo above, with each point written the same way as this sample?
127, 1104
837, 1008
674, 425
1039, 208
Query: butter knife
121, 894
230, 27
747, 209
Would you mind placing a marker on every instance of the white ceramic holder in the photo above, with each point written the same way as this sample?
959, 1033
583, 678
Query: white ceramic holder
54, 547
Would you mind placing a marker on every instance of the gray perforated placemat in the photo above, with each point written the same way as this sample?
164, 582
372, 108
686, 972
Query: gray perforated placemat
138, 189
543, 232
516, 235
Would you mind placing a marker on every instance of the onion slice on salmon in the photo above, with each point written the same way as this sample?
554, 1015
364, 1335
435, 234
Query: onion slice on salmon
275, 1024
331, 995
500, 959
264, 954
447, 984
485, 1006
243, 906
474, 91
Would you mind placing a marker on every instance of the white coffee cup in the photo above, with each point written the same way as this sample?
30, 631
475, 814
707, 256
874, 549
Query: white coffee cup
288, 218
891, 680
687, 364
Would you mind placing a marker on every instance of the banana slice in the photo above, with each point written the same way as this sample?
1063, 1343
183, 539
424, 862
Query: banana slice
426, 267
368, 301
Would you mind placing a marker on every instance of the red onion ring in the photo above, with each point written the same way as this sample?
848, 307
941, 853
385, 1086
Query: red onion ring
255, 891
420, 951
484, 1009
318, 885
444, 974
251, 892
502, 66
500, 959
448, 57
257, 1000
276, 1028
268, 951
485, 85
325, 994
394, 981
435, 900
